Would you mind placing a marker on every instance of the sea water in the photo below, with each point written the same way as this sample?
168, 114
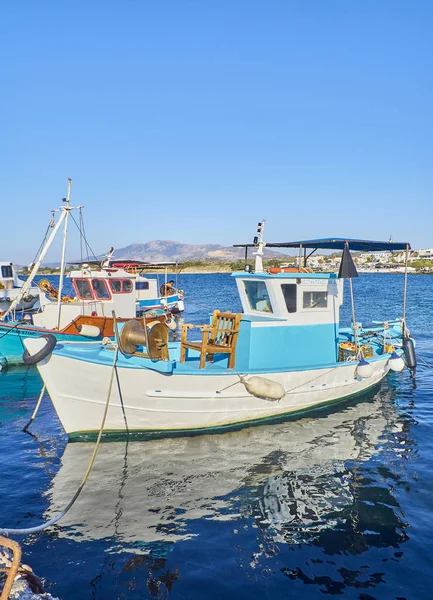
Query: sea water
338, 502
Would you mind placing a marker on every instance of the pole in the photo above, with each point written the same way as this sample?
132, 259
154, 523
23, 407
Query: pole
403, 323
35, 269
62, 264
354, 325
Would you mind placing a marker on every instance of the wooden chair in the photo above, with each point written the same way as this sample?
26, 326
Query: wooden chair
219, 337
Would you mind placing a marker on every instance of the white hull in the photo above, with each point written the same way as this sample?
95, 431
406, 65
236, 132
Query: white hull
156, 402
8, 296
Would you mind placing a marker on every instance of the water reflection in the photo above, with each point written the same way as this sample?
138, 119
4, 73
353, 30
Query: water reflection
297, 481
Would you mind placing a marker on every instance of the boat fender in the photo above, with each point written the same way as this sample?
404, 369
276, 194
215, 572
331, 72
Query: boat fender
396, 363
263, 388
364, 369
3, 363
46, 350
89, 330
171, 323
28, 298
180, 305
409, 354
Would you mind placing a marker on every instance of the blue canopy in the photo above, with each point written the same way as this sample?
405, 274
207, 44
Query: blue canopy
337, 244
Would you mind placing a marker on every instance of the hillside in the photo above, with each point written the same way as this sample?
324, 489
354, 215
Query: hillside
167, 250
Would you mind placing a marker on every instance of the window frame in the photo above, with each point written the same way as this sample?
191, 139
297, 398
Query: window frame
122, 280
316, 308
99, 279
10, 269
77, 292
295, 285
255, 310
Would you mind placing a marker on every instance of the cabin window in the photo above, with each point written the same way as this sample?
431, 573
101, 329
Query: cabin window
7, 271
141, 285
120, 286
315, 300
289, 292
116, 286
83, 288
100, 289
258, 297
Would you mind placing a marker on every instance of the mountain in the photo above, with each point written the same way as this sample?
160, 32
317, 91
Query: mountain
167, 250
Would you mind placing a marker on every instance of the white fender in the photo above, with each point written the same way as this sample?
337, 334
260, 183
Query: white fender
263, 388
396, 363
89, 330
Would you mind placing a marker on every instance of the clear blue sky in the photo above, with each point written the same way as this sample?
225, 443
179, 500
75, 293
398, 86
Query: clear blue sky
191, 120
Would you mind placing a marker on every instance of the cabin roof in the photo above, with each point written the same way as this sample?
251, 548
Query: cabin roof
284, 275
336, 244
123, 262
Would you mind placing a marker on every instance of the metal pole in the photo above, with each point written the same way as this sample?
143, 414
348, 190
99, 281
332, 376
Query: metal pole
62, 264
355, 328
35, 269
403, 323
300, 257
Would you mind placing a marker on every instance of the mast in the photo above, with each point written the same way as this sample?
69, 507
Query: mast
66, 212
260, 245
29, 280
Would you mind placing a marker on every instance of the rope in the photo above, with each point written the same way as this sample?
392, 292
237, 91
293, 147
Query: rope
35, 412
425, 362
9, 330
28, 530
287, 391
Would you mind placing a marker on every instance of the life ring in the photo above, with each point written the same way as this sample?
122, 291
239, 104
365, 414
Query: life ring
34, 359
275, 270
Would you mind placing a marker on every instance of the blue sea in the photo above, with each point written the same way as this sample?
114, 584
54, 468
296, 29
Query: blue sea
338, 502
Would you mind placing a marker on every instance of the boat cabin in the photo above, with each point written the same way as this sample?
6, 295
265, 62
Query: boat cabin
10, 287
289, 320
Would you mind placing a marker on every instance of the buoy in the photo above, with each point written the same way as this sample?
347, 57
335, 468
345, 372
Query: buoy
364, 369
396, 363
264, 388
171, 323
409, 354
89, 331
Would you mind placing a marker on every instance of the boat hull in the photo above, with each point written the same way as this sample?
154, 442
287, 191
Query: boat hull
150, 402
12, 341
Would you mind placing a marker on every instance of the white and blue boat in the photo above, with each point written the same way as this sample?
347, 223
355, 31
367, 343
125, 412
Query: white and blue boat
285, 353
99, 288
10, 288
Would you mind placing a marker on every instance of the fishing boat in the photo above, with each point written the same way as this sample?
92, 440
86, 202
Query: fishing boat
10, 287
284, 354
99, 288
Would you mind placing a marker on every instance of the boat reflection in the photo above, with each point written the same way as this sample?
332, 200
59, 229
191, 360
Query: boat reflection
296, 481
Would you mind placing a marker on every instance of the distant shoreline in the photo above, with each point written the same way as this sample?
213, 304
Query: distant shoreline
211, 270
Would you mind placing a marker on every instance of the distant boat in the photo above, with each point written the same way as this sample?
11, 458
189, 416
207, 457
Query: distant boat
10, 288
284, 354
99, 289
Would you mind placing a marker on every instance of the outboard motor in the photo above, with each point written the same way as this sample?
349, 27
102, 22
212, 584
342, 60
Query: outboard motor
409, 354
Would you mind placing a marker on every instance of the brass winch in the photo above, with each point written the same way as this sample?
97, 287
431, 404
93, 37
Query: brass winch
153, 338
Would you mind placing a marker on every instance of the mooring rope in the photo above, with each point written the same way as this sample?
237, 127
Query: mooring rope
9, 531
35, 412
425, 362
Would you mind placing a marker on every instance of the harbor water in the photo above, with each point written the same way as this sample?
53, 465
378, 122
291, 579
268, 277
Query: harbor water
338, 502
